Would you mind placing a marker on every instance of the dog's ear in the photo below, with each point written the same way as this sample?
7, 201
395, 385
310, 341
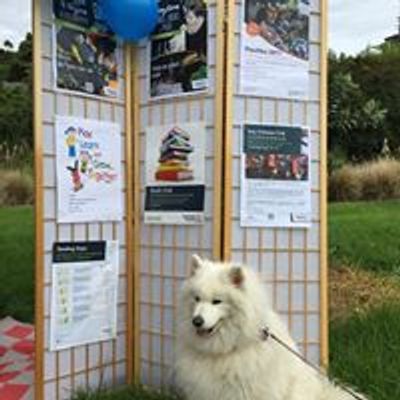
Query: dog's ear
236, 276
197, 263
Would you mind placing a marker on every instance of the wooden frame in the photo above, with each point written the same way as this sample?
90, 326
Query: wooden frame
227, 132
324, 303
136, 214
58, 373
131, 312
39, 234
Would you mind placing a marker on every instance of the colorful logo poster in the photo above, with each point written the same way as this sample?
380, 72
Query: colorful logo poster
275, 176
274, 57
88, 170
87, 56
175, 174
84, 293
178, 49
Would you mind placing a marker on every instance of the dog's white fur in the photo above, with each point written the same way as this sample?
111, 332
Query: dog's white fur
232, 361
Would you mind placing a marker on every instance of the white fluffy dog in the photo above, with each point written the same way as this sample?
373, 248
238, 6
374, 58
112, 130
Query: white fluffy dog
221, 353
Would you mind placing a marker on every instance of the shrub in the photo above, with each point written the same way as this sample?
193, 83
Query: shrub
16, 156
337, 159
16, 188
374, 180
344, 184
380, 180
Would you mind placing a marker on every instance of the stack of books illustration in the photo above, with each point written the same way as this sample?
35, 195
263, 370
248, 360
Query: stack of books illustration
174, 163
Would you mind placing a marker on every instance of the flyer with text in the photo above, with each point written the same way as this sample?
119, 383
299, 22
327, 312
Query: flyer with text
89, 181
87, 57
274, 56
178, 49
84, 293
175, 174
275, 176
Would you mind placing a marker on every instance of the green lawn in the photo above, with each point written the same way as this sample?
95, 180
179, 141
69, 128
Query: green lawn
364, 346
128, 393
16, 263
365, 351
366, 235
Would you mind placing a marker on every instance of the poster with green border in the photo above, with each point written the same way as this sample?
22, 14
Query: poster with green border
275, 176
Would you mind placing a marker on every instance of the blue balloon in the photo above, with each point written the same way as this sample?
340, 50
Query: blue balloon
131, 19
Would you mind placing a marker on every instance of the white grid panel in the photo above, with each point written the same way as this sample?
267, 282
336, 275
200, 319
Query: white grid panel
165, 251
288, 260
102, 363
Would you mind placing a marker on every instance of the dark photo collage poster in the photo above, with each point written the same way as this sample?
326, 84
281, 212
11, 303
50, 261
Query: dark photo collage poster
87, 55
179, 49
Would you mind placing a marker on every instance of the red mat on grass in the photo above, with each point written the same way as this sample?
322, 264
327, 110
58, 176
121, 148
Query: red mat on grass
16, 360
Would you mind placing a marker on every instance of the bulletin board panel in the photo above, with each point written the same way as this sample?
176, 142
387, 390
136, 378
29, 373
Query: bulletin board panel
291, 261
163, 252
107, 363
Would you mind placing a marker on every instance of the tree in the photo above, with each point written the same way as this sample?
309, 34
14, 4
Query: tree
8, 44
25, 49
377, 72
356, 122
16, 116
15, 94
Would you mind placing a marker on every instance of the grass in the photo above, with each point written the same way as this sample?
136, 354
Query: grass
366, 235
356, 291
16, 263
365, 296
125, 393
365, 349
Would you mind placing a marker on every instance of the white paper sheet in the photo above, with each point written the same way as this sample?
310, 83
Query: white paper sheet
84, 295
88, 170
274, 55
275, 176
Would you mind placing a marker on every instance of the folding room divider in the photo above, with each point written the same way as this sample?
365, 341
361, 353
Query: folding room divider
155, 258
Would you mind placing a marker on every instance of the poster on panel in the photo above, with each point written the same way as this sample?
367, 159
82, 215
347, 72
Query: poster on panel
89, 180
175, 174
274, 55
275, 176
87, 57
84, 293
178, 49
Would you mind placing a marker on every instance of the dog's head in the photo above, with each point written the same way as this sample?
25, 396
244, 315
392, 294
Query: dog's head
221, 307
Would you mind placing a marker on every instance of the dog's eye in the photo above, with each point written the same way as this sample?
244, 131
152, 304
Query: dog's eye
216, 301
196, 299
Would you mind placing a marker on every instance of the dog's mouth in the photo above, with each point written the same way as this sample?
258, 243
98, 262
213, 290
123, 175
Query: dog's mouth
208, 332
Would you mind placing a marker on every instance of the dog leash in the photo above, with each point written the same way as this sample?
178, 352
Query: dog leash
266, 334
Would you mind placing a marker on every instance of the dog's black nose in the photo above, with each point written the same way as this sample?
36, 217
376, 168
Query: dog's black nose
198, 321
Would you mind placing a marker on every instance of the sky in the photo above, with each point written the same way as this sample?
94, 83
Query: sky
353, 24
15, 20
